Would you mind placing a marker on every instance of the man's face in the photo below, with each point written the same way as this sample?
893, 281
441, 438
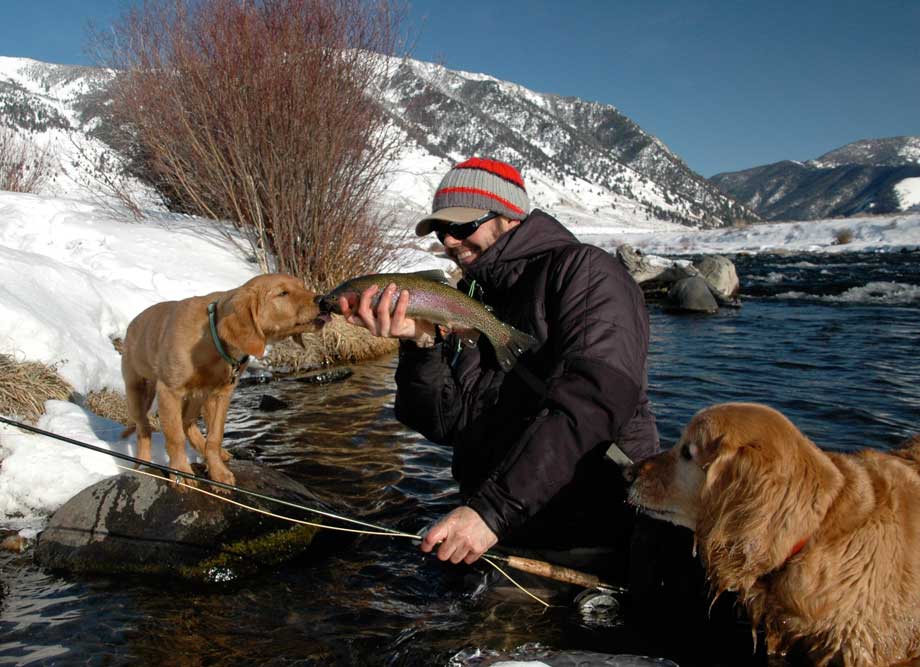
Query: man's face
468, 250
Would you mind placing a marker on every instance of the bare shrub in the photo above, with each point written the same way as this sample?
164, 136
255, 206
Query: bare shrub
24, 165
103, 171
843, 236
263, 113
26, 385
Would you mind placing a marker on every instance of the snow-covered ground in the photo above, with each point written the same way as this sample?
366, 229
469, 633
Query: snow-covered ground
74, 272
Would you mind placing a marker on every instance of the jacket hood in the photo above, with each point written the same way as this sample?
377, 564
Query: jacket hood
504, 260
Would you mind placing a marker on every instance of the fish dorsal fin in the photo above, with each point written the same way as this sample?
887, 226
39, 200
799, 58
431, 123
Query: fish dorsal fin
438, 275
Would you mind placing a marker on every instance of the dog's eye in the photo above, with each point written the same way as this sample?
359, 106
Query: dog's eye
283, 292
685, 453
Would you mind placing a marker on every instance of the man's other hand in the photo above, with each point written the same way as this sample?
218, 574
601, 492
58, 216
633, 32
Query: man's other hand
463, 535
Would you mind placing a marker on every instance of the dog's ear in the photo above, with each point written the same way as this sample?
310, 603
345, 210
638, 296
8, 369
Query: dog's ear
766, 491
238, 321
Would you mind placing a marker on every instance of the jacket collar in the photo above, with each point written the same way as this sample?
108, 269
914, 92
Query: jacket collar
503, 262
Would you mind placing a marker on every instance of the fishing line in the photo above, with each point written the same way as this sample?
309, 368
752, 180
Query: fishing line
377, 530
197, 478
389, 533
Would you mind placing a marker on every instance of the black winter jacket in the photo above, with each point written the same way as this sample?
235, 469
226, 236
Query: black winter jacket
532, 465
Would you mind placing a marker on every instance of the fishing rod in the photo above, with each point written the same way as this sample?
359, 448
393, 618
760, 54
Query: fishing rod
198, 478
529, 565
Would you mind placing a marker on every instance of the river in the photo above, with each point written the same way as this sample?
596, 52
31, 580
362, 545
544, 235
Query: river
831, 341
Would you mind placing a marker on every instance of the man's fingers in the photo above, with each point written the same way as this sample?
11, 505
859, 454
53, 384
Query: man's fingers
347, 304
383, 310
398, 325
459, 555
447, 550
432, 538
364, 311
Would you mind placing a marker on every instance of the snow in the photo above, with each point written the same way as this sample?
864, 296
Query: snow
908, 191
74, 272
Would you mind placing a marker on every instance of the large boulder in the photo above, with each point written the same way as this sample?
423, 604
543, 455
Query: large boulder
691, 295
651, 268
140, 524
719, 273
660, 277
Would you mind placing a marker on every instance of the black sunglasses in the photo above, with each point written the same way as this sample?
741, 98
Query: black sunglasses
462, 230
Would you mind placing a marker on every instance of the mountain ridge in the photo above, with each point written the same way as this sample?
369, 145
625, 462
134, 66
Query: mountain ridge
860, 177
583, 157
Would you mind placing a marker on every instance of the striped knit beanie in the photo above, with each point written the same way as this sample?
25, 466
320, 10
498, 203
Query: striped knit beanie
473, 188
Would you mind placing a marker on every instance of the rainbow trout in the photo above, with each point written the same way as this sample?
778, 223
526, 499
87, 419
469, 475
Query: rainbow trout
434, 300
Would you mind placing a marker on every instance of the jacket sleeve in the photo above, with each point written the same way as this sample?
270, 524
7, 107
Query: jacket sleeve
424, 386
600, 331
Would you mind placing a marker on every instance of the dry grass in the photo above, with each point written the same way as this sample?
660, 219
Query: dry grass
26, 385
338, 342
843, 236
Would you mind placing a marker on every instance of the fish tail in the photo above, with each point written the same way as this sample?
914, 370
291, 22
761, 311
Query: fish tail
511, 344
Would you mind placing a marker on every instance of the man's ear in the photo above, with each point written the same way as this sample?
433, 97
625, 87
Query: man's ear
238, 323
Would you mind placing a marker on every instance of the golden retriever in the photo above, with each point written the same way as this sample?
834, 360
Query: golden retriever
170, 353
822, 548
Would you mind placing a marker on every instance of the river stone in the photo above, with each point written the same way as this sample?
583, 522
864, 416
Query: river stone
720, 274
139, 524
645, 269
692, 295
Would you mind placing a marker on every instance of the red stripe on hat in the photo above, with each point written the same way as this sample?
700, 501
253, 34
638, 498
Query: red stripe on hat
500, 169
484, 193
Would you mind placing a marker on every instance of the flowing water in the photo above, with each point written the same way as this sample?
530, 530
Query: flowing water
833, 342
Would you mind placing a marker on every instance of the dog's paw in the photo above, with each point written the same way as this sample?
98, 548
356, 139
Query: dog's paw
225, 455
224, 476
183, 482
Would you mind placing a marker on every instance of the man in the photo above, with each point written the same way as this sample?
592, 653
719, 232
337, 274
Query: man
529, 444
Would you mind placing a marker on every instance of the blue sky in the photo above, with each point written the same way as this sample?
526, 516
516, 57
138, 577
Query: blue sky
725, 84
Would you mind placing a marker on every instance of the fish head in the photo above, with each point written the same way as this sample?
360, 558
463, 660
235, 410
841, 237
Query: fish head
329, 303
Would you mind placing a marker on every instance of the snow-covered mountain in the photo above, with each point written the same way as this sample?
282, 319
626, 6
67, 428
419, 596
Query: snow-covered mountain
580, 159
574, 153
868, 176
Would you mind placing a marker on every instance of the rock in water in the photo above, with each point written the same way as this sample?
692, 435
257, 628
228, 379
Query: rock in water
691, 295
139, 524
720, 274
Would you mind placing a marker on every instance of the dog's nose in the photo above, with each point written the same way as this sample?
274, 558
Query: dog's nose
629, 473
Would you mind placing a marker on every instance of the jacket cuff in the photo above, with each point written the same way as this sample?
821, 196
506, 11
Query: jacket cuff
501, 512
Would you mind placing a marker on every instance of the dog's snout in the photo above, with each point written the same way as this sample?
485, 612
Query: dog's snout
629, 473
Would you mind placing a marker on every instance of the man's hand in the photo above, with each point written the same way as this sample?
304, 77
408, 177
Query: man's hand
379, 321
463, 535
